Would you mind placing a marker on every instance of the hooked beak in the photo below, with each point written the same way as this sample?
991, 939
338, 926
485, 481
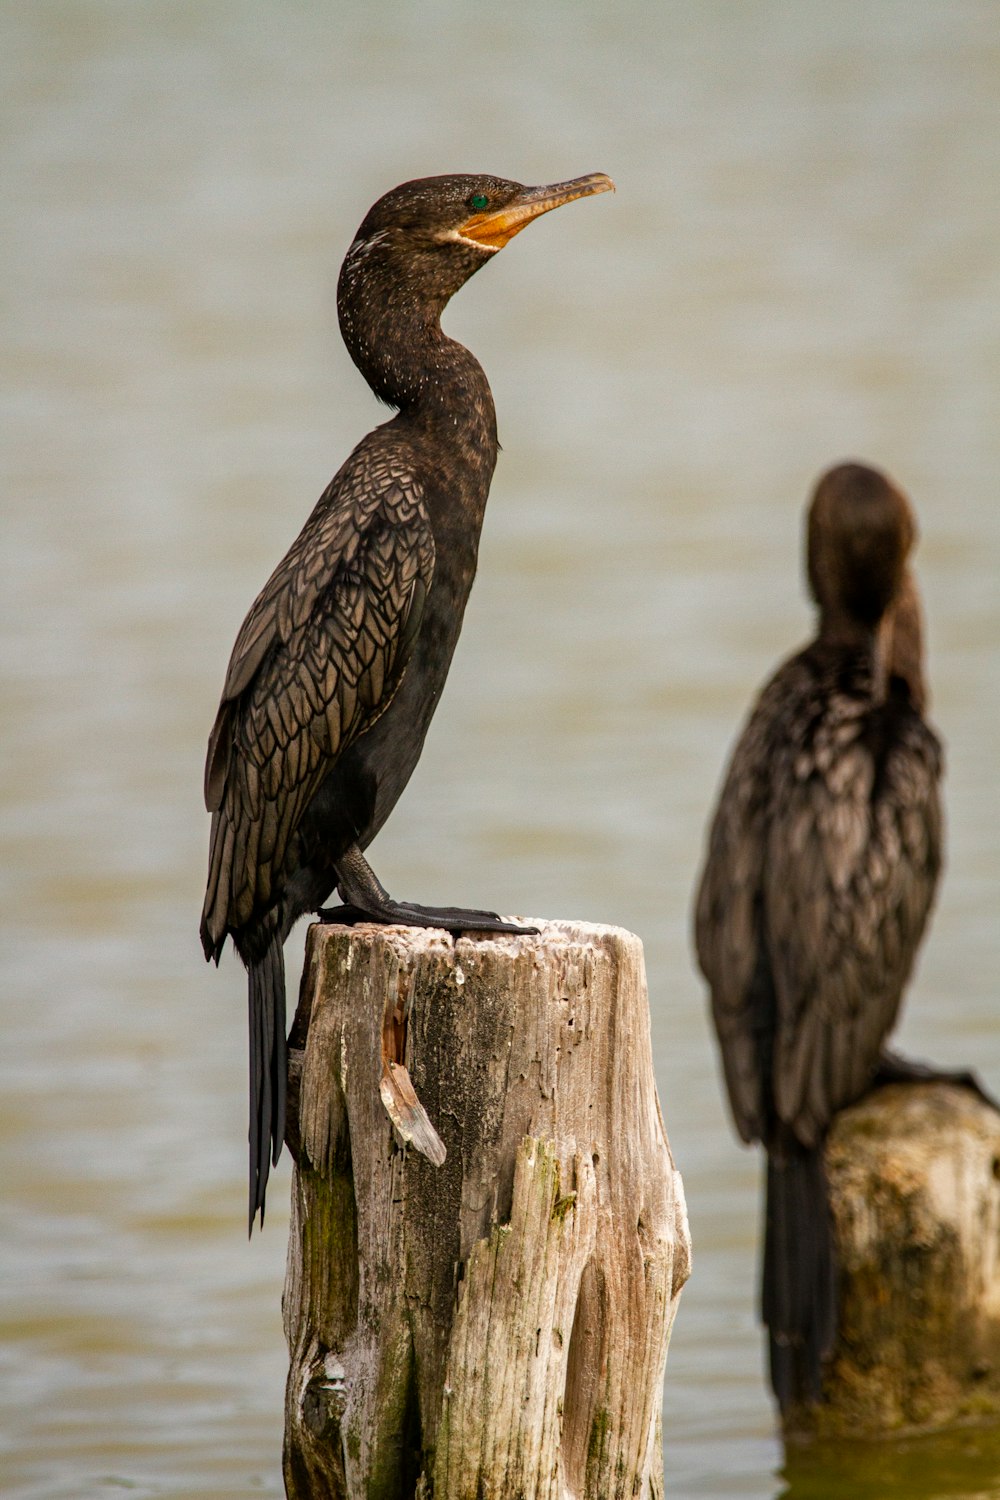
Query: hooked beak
493, 230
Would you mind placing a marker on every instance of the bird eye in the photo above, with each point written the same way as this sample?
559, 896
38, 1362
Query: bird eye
479, 201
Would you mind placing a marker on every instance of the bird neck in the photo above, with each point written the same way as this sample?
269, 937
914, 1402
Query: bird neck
872, 641
397, 343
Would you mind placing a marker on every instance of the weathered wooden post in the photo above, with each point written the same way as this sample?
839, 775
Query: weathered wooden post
488, 1233
914, 1175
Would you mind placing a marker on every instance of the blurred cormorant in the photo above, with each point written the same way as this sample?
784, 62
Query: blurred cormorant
823, 858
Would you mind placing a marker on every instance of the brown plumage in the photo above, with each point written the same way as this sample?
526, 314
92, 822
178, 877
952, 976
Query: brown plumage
823, 858
340, 663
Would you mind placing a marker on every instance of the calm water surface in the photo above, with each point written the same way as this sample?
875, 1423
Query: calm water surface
801, 264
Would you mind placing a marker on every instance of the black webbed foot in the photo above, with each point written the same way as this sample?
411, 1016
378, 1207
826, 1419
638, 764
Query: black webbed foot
455, 919
367, 900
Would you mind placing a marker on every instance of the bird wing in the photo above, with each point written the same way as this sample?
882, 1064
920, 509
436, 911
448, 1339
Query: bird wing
317, 661
852, 861
728, 911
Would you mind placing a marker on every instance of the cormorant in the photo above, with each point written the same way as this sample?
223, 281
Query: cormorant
340, 663
823, 858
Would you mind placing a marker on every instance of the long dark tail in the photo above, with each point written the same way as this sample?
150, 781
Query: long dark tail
799, 1295
268, 1069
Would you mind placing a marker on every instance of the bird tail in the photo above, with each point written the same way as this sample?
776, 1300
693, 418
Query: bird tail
268, 1068
799, 1294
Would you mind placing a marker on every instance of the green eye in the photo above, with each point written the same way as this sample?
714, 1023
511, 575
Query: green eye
478, 201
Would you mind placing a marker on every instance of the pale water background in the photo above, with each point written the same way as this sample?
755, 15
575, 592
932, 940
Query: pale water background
801, 264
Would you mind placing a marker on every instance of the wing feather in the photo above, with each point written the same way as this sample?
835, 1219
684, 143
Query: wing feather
317, 661
728, 932
823, 858
853, 858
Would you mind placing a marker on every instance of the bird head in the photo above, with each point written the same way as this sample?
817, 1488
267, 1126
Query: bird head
425, 238
861, 529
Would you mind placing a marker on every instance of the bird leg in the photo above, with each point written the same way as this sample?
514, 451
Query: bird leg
367, 900
894, 1068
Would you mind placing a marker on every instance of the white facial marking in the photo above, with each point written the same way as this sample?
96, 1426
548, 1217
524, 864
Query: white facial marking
463, 239
360, 248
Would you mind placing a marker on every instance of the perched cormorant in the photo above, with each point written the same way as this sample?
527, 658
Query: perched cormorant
823, 858
340, 663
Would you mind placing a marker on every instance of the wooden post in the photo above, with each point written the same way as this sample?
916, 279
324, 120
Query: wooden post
915, 1186
488, 1233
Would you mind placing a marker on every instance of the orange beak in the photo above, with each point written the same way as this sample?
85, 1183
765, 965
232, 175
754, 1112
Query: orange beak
493, 230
